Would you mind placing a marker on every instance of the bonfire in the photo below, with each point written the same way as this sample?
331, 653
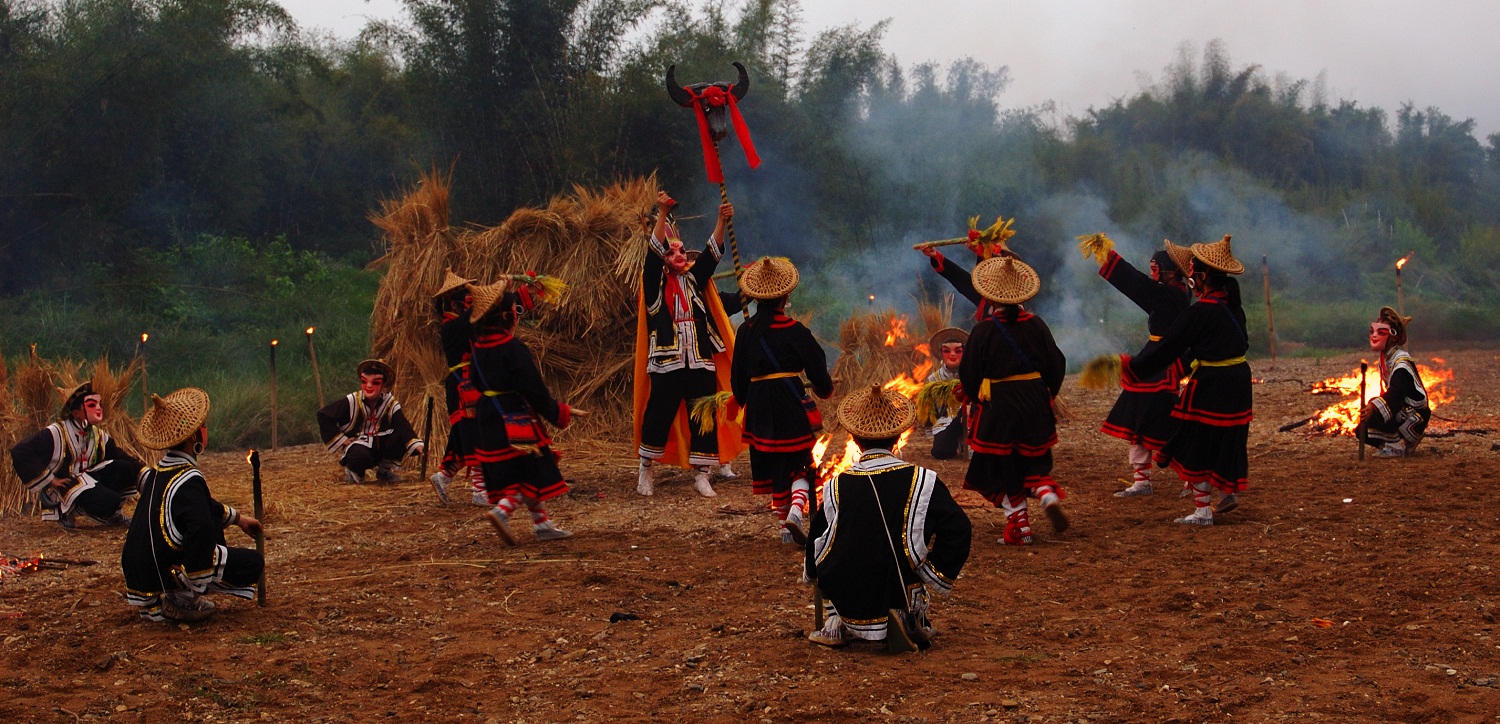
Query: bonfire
1342, 417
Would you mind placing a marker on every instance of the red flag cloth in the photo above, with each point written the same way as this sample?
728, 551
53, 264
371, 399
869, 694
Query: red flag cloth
716, 96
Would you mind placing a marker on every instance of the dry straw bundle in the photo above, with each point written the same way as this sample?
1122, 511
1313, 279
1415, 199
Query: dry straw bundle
595, 240
874, 347
29, 401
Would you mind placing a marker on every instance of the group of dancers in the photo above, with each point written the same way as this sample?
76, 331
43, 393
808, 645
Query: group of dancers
884, 533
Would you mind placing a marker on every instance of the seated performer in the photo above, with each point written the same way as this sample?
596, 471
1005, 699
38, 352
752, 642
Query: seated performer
886, 531
1394, 421
175, 551
456, 336
510, 443
367, 428
683, 339
773, 353
947, 345
74, 466
1012, 370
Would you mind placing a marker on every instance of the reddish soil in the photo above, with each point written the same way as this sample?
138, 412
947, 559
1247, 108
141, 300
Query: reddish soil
385, 604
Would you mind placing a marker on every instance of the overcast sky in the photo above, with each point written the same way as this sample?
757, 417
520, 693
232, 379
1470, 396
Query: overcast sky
1081, 53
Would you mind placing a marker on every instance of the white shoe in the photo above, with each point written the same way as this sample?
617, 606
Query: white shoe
643, 483
793, 526
701, 484
1201, 516
480, 498
501, 523
1392, 450
440, 484
726, 471
548, 531
1138, 488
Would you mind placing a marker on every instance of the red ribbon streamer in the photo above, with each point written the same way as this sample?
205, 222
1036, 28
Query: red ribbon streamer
716, 97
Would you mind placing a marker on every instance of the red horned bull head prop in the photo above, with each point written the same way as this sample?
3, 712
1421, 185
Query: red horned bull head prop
711, 103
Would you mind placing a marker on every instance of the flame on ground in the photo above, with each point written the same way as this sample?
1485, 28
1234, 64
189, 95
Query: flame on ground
13, 566
1341, 418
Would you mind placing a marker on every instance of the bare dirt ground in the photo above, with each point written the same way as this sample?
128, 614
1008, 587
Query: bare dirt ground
384, 604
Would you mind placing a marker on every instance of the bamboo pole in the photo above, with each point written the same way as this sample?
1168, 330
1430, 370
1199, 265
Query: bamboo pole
1359, 430
260, 536
734, 246
1265, 267
941, 242
274, 410
312, 352
145, 391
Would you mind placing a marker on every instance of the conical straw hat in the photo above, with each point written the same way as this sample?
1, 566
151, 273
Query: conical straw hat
1218, 256
1005, 280
773, 277
1181, 256
485, 297
944, 336
451, 281
173, 418
876, 413
380, 367
68, 394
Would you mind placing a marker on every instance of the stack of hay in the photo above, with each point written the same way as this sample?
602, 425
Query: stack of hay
874, 348
595, 241
29, 401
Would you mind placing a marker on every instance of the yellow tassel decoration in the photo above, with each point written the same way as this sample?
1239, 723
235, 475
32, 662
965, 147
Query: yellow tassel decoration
935, 397
705, 411
1101, 373
1097, 246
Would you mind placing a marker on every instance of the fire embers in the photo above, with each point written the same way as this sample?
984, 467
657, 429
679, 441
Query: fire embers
1341, 418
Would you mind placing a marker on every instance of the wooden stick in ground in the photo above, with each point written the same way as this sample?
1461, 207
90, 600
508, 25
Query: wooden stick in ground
274, 409
260, 538
1359, 431
426, 437
312, 352
1265, 267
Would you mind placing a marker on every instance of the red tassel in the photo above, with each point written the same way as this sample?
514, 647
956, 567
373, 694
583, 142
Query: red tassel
716, 97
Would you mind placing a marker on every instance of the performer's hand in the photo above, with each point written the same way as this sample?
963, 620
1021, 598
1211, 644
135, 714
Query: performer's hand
250, 525
931, 252
726, 211
664, 202
419, 448
60, 482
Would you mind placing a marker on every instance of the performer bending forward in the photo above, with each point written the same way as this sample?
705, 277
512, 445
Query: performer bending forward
773, 352
175, 551
682, 340
1396, 420
1142, 416
1012, 369
512, 447
456, 336
886, 532
1214, 410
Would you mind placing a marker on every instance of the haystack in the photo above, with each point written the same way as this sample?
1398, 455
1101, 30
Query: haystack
874, 348
595, 240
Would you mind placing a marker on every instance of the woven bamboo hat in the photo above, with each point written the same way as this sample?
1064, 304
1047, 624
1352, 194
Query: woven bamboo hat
485, 297
773, 277
1181, 255
946, 335
876, 413
1005, 280
378, 367
451, 281
173, 418
1218, 256
73, 396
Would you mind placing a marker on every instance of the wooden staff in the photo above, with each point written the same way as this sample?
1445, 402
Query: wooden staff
145, 393
1359, 430
260, 538
427, 437
734, 246
941, 242
274, 412
312, 352
1265, 268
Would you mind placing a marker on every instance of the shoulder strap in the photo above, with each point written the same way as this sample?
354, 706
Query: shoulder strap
1014, 347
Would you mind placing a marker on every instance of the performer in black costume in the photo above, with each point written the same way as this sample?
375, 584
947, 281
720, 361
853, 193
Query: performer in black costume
1396, 420
74, 466
456, 336
367, 428
887, 531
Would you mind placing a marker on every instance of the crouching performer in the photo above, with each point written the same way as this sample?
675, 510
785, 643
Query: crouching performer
175, 551
886, 532
949, 425
74, 466
510, 444
780, 419
684, 345
1396, 420
367, 428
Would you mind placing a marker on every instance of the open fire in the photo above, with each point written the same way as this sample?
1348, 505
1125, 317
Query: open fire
1341, 418
830, 463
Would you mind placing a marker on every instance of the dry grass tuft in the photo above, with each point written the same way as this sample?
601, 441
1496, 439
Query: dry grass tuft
593, 239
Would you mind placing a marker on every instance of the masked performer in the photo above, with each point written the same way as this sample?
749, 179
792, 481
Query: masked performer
456, 336
683, 349
1012, 370
886, 532
1207, 447
949, 427
1142, 415
175, 551
773, 353
367, 428
74, 466
1394, 421
511, 445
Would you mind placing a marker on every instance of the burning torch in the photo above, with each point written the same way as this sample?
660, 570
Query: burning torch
260, 536
1400, 296
312, 351
141, 350
273, 393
